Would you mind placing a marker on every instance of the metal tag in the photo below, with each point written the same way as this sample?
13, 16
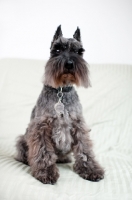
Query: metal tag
59, 108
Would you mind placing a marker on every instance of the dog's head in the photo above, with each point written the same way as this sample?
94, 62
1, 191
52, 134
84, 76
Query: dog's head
66, 65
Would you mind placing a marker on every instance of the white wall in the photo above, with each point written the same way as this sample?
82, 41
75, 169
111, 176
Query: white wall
27, 27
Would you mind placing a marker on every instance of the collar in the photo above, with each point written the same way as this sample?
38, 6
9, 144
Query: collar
64, 89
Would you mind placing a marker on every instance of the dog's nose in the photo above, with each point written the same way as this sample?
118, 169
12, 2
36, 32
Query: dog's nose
69, 64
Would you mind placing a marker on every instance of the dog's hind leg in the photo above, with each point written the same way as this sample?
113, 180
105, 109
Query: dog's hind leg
41, 153
22, 149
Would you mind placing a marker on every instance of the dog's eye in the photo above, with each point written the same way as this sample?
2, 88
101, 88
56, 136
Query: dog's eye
58, 50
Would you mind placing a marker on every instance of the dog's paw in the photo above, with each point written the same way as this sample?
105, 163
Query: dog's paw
94, 176
47, 176
90, 173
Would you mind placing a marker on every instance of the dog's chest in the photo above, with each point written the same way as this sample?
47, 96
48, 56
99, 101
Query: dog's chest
65, 111
61, 135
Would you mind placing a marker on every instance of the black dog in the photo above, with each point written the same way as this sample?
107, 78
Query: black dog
57, 126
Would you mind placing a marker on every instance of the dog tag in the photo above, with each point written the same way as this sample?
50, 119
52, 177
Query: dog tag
59, 108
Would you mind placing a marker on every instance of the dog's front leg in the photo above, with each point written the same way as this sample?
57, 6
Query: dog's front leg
85, 164
41, 155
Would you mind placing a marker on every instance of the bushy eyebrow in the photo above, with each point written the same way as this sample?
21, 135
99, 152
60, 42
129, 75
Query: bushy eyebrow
62, 44
57, 45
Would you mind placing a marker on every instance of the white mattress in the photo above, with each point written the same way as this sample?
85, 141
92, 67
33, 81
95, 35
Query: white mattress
107, 109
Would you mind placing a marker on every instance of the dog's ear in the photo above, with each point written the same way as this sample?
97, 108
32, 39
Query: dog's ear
57, 34
77, 35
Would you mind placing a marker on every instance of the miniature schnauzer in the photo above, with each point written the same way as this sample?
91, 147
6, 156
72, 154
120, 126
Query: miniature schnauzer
57, 126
